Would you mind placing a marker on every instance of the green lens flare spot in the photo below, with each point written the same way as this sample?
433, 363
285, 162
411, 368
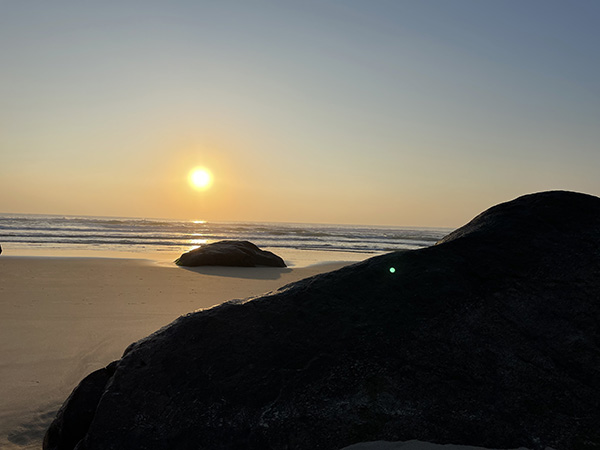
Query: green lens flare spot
392, 269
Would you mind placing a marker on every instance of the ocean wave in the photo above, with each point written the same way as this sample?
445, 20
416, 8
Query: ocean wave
136, 233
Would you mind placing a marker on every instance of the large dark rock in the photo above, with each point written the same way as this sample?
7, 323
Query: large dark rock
489, 338
74, 418
230, 253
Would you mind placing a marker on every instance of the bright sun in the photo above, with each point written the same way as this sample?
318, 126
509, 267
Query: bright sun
200, 178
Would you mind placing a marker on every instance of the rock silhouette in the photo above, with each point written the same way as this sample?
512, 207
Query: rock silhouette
230, 253
488, 338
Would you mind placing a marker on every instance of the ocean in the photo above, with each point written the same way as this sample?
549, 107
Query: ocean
19, 232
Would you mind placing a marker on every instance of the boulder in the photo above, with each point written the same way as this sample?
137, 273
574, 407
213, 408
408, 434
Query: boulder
74, 418
489, 338
230, 253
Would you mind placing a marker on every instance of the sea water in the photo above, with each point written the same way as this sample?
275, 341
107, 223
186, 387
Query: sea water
20, 232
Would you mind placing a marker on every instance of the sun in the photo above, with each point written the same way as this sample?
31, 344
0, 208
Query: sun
200, 178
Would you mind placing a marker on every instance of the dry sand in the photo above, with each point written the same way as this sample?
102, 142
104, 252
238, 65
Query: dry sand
62, 318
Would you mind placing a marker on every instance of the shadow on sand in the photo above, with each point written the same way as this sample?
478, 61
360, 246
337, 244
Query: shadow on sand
252, 273
30, 434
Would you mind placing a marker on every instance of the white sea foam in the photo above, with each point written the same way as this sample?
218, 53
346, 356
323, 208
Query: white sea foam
146, 235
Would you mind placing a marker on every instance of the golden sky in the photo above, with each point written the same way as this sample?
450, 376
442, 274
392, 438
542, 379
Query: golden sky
398, 113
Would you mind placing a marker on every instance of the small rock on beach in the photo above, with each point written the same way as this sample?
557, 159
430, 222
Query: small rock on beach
230, 253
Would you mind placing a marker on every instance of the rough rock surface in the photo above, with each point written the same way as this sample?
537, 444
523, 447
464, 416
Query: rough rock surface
230, 253
490, 338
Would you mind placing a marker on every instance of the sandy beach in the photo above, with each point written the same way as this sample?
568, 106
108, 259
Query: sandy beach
456, 142
62, 318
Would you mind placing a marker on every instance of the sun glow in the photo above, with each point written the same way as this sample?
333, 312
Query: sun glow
200, 178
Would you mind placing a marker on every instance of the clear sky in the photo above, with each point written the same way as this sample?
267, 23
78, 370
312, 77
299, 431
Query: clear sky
407, 112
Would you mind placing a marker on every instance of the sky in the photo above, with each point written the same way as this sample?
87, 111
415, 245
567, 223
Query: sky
407, 112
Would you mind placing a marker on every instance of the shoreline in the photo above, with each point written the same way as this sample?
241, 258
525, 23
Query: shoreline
294, 258
64, 317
